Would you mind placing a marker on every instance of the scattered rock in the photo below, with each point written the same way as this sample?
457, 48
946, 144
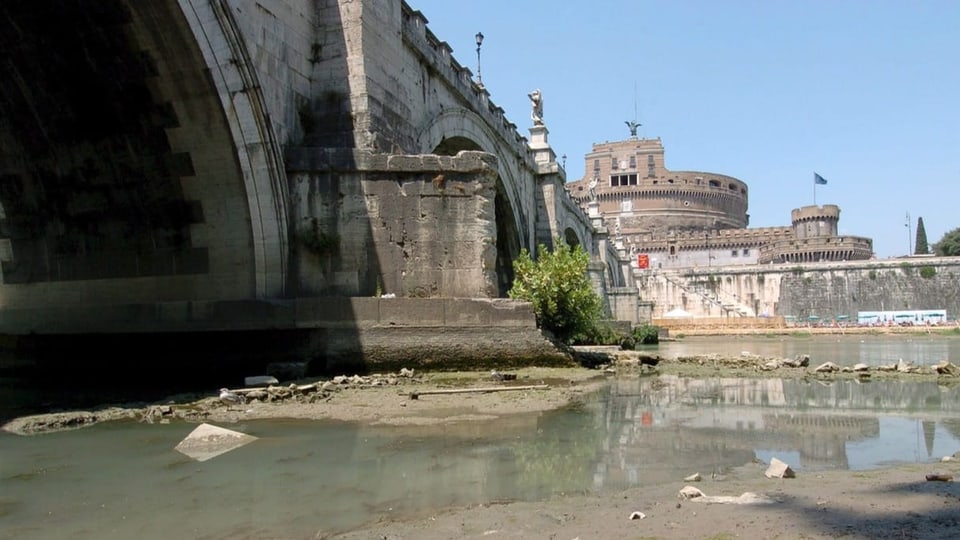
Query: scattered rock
500, 376
946, 367
690, 492
827, 367
939, 478
638, 515
258, 395
772, 364
904, 367
779, 469
695, 477
861, 367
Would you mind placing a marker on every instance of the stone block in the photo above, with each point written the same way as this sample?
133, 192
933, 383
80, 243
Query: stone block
494, 312
411, 311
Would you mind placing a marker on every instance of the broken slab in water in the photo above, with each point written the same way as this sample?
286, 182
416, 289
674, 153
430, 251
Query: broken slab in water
259, 380
208, 441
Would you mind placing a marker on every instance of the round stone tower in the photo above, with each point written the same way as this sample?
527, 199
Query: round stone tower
815, 239
629, 181
815, 221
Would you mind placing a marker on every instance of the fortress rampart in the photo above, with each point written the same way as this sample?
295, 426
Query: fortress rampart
802, 290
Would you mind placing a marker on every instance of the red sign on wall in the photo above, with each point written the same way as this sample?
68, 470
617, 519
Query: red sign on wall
643, 260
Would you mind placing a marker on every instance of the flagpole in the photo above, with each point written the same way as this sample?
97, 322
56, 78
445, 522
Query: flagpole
814, 189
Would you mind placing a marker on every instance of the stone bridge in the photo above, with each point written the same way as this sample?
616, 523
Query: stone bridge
177, 165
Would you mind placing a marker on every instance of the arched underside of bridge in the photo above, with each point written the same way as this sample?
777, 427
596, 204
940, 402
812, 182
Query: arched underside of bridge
122, 178
572, 239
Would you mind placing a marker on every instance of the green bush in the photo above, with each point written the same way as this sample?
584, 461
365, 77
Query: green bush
558, 287
603, 334
646, 334
927, 272
597, 334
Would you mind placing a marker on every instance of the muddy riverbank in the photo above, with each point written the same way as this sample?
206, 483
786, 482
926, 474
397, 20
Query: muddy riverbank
889, 502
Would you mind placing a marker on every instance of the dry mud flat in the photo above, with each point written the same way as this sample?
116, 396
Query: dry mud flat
888, 503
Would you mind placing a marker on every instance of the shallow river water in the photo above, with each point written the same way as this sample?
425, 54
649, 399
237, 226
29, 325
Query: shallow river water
299, 479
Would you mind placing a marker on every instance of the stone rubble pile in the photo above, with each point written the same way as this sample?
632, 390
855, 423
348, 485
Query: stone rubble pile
303, 393
760, 363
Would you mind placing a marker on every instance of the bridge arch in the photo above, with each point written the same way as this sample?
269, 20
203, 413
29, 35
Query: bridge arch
573, 239
455, 130
259, 154
147, 162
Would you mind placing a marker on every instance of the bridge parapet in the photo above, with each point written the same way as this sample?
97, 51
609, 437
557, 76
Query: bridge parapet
439, 56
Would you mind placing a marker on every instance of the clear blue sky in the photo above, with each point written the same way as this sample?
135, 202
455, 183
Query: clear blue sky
864, 92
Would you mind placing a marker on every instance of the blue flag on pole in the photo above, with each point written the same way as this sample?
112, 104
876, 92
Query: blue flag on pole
817, 179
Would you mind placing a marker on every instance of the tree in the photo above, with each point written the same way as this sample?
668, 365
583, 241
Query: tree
921, 243
558, 287
949, 245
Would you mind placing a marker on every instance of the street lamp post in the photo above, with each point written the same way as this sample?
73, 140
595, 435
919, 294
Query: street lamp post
479, 38
909, 234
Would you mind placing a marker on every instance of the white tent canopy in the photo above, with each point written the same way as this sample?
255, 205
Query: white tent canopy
677, 313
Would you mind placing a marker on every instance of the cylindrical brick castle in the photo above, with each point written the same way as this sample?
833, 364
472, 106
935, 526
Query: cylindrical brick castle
629, 180
688, 218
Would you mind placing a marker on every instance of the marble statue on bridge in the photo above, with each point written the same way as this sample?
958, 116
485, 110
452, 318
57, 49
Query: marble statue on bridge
536, 106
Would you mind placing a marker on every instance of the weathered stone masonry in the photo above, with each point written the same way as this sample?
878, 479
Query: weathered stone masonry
803, 290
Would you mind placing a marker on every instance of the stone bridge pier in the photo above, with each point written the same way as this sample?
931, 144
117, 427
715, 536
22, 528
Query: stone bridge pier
178, 169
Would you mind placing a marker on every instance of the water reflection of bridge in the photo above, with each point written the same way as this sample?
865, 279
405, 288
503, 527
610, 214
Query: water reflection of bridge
664, 428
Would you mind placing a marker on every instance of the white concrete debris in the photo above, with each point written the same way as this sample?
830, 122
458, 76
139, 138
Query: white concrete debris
748, 497
207, 441
779, 469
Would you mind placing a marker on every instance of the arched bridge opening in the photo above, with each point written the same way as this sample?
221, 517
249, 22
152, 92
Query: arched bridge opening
572, 239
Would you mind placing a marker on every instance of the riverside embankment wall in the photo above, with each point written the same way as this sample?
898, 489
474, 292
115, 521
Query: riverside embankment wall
801, 291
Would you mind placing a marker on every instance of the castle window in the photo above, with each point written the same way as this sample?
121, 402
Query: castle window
623, 180
613, 163
746, 252
596, 164
633, 162
734, 253
714, 183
